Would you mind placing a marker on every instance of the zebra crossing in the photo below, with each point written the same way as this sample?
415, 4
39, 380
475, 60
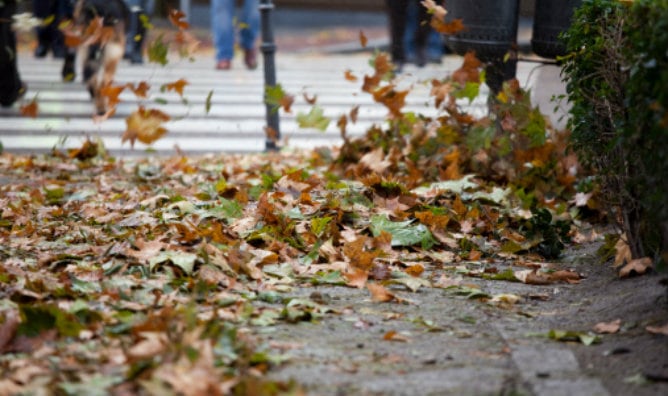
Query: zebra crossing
219, 111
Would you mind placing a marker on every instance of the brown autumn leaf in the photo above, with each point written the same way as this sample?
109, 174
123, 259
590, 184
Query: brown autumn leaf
349, 76
391, 98
356, 277
88, 150
354, 112
440, 91
310, 99
8, 326
177, 18
144, 125
379, 293
363, 39
608, 327
140, 90
469, 71
660, 330
453, 27
176, 86
392, 335
358, 255
415, 270
637, 266
375, 161
622, 252
30, 109
112, 93
342, 123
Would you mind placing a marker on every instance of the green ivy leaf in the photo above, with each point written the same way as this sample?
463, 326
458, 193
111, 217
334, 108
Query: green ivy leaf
403, 232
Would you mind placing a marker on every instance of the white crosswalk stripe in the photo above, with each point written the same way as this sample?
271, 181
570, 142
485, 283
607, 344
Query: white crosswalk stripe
235, 121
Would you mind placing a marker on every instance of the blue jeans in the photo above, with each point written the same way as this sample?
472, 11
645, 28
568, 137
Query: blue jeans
223, 26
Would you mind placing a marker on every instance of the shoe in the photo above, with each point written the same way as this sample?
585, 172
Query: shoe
224, 64
250, 59
41, 51
15, 96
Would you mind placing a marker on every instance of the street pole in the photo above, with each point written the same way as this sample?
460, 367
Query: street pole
268, 48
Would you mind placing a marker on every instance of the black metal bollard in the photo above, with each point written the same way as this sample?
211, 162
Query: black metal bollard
268, 48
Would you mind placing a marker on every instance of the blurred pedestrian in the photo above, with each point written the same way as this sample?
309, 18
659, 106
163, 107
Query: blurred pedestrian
11, 86
398, 16
223, 28
49, 37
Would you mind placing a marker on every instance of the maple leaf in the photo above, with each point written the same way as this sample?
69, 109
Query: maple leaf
140, 90
315, 118
379, 293
391, 98
356, 277
469, 71
144, 125
176, 86
112, 94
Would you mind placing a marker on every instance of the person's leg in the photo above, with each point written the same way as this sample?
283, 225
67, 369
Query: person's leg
250, 18
43, 9
222, 29
11, 86
421, 34
397, 15
136, 31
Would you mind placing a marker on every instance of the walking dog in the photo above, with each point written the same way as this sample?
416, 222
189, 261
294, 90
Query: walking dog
101, 26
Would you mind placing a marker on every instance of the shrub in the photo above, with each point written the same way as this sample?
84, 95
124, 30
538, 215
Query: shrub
616, 76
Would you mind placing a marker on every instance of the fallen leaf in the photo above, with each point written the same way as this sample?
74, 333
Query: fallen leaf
395, 336
608, 327
658, 329
622, 252
637, 266
379, 293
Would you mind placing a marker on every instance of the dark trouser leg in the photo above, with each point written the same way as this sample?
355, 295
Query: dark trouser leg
136, 32
11, 87
397, 15
421, 35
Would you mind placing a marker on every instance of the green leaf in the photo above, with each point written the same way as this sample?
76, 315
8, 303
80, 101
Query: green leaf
403, 233
314, 119
96, 385
227, 209
319, 225
577, 336
274, 95
158, 50
183, 260
39, 318
470, 91
454, 186
207, 103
